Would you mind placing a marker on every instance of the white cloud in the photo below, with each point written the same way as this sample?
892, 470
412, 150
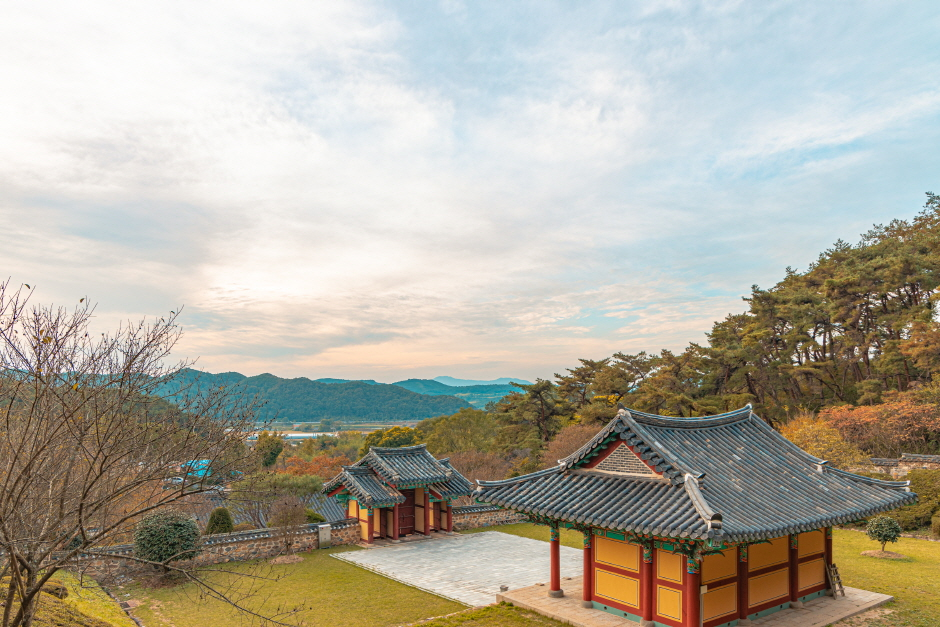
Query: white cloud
351, 189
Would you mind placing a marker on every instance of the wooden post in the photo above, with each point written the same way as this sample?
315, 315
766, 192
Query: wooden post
554, 588
692, 594
743, 574
450, 517
646, 584
395, 523
587, 580
427, 512
828, 557
371, 527
795, 571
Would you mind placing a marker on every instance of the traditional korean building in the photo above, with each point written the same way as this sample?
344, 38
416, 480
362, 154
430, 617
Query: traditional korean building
693, 522
396, 492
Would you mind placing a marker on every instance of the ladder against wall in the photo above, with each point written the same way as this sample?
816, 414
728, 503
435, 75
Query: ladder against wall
835, 580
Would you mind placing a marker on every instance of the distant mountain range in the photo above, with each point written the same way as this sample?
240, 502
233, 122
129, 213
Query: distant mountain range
306, 400
465, 382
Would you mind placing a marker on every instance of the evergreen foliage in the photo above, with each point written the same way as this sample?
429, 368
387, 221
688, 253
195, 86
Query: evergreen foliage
220, 521
883, 529
314, 517
166, 537
268, 447
391, 438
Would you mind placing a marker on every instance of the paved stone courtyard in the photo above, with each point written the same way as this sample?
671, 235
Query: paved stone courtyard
468, 568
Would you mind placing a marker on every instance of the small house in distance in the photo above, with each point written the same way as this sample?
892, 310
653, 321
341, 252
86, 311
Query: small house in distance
396, 492
695, 522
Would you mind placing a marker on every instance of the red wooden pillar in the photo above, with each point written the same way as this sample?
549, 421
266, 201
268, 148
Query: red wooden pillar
427, 512
450, 517
743, 601
795, 571
395, 523
692, 594
554, 589
828, 556
587, 580
370, 526
646, 585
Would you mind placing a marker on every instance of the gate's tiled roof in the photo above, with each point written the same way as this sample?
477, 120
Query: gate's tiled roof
374, 479
728, 477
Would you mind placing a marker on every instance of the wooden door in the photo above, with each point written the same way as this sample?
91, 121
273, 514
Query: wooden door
380, 519
406, 513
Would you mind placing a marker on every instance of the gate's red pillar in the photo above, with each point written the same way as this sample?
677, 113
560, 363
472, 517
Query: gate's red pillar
692, 594
395, 523
646, 586
587, 580
427, 512
795, 571
450, 517
554, 589
742, 586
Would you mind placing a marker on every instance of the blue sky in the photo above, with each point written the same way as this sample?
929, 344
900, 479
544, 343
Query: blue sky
486, 189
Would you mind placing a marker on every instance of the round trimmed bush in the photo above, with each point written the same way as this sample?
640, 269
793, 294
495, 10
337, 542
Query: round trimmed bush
883, 529
314, 517
220, 521
166, 537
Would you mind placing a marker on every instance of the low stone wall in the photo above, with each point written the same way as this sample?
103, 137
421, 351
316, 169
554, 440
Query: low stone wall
475, 516
220, 548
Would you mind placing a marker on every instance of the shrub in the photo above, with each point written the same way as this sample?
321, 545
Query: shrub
926, 484
935, 525
220, 521
287, 511
314, 517
245, 526
883, 529
166, 537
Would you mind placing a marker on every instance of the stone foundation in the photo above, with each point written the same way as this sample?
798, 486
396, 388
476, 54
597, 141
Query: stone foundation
475, 516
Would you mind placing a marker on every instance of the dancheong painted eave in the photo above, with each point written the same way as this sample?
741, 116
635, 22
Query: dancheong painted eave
728, 478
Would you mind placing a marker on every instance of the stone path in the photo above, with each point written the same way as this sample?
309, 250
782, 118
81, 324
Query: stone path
468, 568
819, 612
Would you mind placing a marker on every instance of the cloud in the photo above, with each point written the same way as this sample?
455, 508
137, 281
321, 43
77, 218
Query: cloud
386, 190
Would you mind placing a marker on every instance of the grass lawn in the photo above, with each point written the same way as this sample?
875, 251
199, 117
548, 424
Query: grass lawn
335, 593
87, 597
914, 582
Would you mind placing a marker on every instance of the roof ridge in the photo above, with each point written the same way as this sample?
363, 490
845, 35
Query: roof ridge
714, 420
399, 449
514, 480
709, 516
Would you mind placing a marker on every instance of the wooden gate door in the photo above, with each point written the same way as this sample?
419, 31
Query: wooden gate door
406, 513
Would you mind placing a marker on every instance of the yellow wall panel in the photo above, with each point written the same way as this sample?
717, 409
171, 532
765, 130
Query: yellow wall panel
769, 587
616, 587
363, 530
811, 573
669, 566
811, 543
616, 553
719, 602
669, 602
764, 555
720, 565
354, 509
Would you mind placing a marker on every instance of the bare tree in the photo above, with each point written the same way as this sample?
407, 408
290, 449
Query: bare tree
88, 439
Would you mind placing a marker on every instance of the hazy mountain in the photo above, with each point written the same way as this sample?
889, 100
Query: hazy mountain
476, 395
465, 382
304, 400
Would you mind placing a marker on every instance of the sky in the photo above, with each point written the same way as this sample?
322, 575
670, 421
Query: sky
389, 190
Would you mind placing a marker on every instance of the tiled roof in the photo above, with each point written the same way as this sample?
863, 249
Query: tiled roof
914, 457
327, 506
406, 465
883, 461
455, 485
729, 477
374, 479
365, 486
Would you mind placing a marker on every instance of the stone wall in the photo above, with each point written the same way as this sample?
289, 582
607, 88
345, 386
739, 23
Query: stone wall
219, 548
475, 516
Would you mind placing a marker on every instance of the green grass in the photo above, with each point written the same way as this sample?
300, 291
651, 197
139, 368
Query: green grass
568, 537
87, 597
334, 593
914, 582
502, 615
